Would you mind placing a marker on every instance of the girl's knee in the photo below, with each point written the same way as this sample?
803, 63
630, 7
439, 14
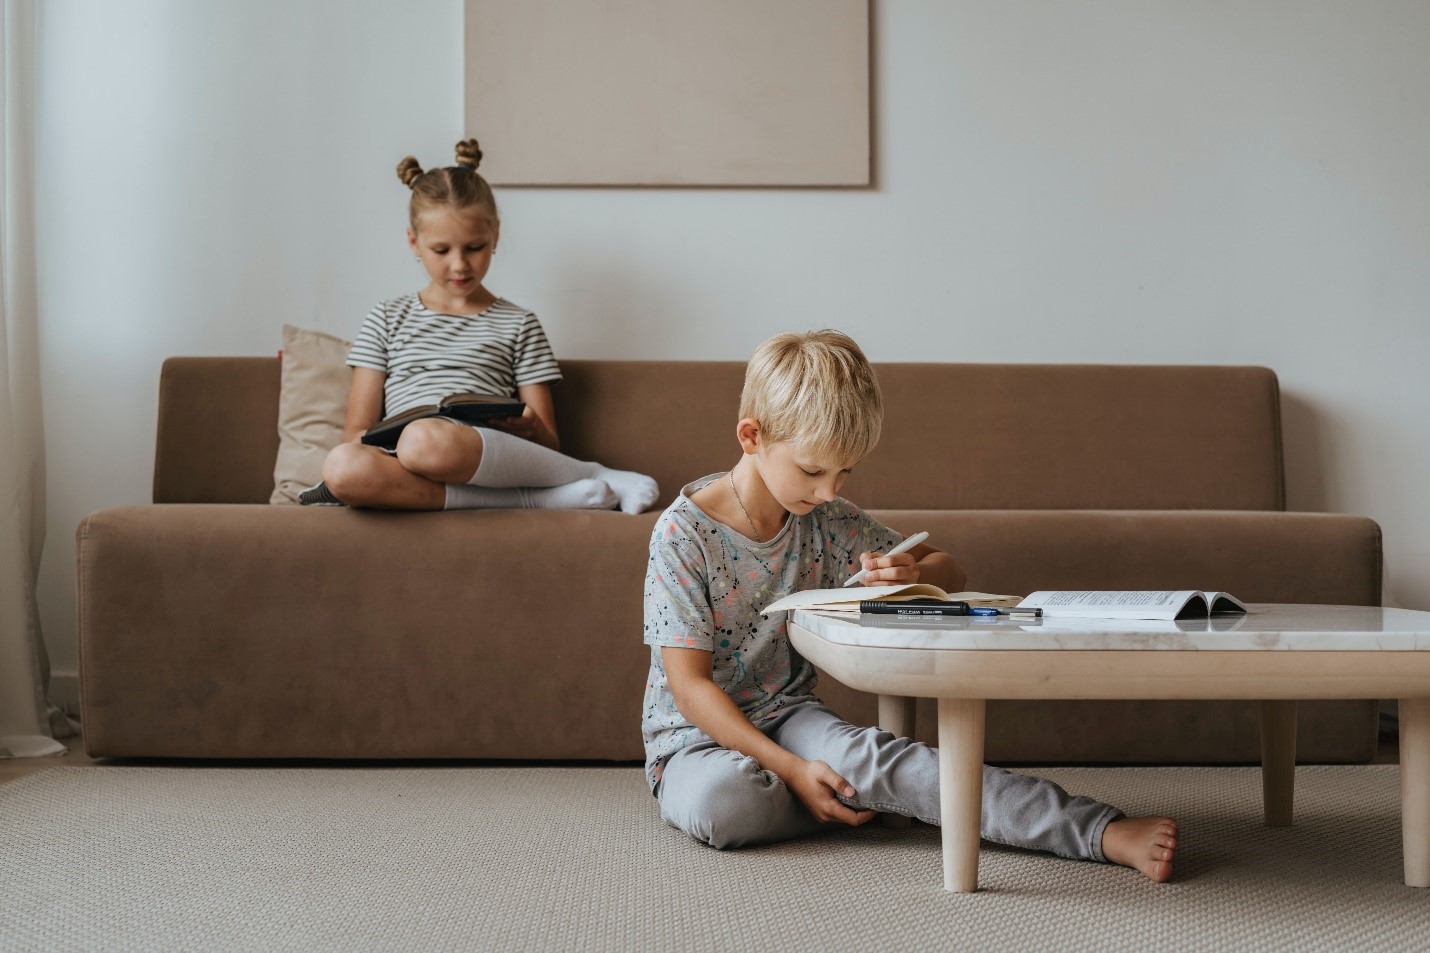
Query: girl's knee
432, 446
348, 471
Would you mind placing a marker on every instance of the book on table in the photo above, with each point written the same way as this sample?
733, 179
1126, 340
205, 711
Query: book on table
1164, 604
469, 408
920, 593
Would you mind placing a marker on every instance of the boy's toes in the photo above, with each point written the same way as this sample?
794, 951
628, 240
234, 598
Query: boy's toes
1146, 844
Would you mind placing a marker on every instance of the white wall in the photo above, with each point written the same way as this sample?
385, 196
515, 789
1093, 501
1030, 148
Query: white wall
1112, 180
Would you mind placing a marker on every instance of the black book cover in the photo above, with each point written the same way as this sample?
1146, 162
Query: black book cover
469, 408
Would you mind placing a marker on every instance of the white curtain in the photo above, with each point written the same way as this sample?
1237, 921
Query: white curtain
28, 724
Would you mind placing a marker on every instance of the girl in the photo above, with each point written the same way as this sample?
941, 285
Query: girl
455, 336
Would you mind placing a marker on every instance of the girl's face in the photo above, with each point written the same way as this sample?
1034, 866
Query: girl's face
455, 247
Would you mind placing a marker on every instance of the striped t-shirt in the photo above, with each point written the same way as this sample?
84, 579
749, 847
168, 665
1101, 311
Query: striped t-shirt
428, 355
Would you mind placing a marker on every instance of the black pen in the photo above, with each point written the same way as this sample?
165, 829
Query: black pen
914, 607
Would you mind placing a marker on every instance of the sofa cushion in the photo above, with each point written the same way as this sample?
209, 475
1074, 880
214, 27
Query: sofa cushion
238, 631
312, 406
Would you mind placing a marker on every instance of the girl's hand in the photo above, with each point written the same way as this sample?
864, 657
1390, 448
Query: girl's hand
815, 784
897, 570
528, 426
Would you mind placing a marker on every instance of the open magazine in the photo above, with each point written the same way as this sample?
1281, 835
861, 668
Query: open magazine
1167, 604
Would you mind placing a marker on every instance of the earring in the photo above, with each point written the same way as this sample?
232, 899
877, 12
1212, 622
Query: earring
418, 260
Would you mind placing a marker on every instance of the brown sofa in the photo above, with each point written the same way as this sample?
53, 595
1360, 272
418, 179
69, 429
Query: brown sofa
214, 625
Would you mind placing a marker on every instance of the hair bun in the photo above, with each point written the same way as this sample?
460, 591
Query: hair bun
468, 154
408, 170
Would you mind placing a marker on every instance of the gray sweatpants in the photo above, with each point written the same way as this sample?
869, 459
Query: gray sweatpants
726, 799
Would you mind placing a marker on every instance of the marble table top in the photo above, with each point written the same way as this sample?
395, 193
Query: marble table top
1267, 627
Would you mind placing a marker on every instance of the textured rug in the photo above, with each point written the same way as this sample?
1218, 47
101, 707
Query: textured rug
576, 858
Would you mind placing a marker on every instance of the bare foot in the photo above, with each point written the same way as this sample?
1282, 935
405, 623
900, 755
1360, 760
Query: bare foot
1142, 843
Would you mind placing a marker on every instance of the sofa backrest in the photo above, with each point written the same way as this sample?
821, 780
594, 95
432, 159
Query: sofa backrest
956, 436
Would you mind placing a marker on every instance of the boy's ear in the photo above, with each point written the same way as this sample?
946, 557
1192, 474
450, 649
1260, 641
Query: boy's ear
747, 431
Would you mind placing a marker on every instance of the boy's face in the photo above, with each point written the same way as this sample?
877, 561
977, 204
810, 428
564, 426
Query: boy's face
797, 480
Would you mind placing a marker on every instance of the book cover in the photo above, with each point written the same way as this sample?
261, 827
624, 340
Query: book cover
469, 408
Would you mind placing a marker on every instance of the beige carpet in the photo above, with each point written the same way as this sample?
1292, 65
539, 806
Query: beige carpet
577, 859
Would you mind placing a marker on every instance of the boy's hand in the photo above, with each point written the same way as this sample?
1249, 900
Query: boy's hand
815, 784
897, 570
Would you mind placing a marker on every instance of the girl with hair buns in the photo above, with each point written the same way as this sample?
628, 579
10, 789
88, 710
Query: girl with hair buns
455, 336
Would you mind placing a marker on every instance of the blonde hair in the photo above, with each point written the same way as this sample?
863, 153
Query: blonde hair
456, 187
816, 390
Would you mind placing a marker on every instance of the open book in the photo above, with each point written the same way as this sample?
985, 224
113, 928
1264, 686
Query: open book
472, 408
847, 600
1132, 604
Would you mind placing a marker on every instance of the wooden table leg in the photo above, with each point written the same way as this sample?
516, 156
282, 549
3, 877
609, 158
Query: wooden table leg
1278, 762
1415, 789
960, 779
896, 715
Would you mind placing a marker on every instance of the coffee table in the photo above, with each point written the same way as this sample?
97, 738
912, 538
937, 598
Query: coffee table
1277, 654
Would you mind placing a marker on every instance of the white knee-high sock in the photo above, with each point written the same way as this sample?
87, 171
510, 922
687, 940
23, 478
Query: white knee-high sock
579, 495
509, 461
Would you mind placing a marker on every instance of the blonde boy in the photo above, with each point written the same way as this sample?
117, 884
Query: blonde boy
739, 750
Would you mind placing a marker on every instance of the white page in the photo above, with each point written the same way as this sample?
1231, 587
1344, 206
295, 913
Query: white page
1105, 626
1110, 603
1225, 602
847, 600
838, 599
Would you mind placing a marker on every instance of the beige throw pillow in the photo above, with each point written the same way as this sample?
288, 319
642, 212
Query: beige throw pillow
312, 407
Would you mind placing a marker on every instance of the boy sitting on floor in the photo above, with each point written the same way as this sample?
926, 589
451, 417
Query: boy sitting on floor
739, 750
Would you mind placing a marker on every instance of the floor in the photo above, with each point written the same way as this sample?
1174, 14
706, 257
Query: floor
1388, 752
12, 768
209, 857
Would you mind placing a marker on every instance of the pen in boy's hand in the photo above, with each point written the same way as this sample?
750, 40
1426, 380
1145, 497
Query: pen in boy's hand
903, 547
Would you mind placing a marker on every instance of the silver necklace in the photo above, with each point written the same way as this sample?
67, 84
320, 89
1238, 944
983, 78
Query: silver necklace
743, 510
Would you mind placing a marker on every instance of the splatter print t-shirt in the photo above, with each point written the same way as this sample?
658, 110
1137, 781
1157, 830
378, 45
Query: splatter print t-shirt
705, 585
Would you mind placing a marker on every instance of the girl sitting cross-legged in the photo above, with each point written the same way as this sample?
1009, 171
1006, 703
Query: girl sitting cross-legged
455, 336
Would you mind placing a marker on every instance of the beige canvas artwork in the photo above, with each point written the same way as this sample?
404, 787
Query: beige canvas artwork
670, 92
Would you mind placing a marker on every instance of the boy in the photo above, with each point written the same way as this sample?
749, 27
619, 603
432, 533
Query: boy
738, 748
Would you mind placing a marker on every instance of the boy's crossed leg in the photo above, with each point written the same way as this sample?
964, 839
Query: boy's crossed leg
725, 799
712, 798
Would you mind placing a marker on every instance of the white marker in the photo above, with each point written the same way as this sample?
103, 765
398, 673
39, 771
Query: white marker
903, 547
